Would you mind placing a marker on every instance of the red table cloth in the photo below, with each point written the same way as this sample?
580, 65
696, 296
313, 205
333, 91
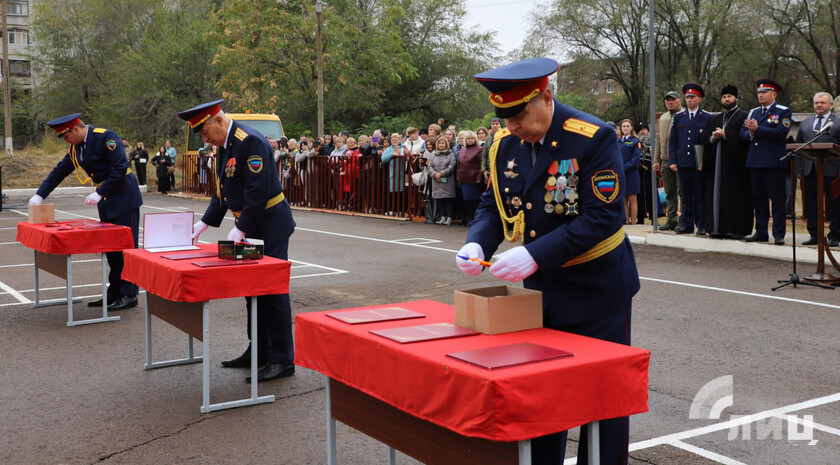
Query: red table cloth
77, 240
181, 281
603, 380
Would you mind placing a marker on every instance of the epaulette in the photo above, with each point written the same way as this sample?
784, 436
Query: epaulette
580, 127
240, 134
99, 130
781, 107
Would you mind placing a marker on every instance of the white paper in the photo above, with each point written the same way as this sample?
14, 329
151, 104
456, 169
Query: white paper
168, 232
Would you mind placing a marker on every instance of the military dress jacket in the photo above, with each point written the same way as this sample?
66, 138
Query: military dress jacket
571, 202
768, 145
101, 158
686, 133
249, 187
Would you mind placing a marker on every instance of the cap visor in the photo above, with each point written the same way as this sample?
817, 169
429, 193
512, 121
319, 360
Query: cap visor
511, 111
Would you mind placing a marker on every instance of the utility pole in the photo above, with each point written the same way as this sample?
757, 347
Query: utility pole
320, 73
7, 93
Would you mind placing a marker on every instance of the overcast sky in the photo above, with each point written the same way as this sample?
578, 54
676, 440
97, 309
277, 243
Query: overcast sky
506, 17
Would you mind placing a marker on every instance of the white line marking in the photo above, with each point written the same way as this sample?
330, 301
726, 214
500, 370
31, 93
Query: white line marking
173, 209
734, 423
318, 274
20, 213
750, 294
318, 266
9, 229
416, 240
387, 241
816, 426
76, 215
707, 453
9, 243
21, 299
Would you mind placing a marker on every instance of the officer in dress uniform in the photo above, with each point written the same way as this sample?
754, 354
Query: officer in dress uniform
98, 158
557, 181
248, 186
766, 129
690, 128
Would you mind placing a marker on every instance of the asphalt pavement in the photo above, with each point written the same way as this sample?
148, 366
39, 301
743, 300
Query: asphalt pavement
80, 395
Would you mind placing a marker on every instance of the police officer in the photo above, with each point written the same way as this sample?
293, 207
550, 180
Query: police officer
557, 183
98, 158
766, 129
248, 186
690, 129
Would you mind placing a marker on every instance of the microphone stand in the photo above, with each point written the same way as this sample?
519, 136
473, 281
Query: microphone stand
793, 278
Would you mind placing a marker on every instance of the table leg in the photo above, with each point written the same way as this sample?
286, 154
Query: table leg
205, 363
525, 452
104, 317
254, 348
156, 303
594, 443
54, 264
392, 456
330, 429
37, 281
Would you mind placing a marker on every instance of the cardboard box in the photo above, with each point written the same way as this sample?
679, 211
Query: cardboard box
44, 213
498, 309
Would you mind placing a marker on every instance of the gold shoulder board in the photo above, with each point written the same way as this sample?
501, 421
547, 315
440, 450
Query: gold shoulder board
240, 134
99, 130
580, 127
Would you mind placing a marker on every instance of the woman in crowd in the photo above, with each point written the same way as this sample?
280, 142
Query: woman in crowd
395, 165
431, 210
162, 162
328, 144
469, 176
481, 135
453, 143
442, 166
340, 147
631, 152
348, 173
140, 157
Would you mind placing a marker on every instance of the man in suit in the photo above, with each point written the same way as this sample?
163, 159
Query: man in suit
690, 129
670, 180
808, 129
249, 187
556, 180
98, 158
766, 129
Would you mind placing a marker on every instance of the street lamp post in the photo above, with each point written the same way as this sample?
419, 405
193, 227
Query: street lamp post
320, 73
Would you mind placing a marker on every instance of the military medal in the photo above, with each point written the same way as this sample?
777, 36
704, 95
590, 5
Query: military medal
572, 209
572, 195
561, 181
552, 181
573, 180
549, 208
559, 208
548, 197
230, 169
511, 164
516, 202
559, 196
511, 174
552, 169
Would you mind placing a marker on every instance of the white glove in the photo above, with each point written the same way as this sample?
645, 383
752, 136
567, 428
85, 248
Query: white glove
198, 228
470, 250
36, 200
93, 199
236, 235
514, 265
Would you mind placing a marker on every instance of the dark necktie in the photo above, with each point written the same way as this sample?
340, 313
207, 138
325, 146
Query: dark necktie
819, 124
691, 116
763, 111
535, 152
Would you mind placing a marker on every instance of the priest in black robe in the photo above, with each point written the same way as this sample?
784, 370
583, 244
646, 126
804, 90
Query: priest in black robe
729, 208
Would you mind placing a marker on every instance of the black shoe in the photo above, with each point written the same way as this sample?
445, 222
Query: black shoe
271, 371
701, 232
243, 361
683, 230
126, 301
779, 241
811, 241
668, 226
756, 238
833, 242
98, 303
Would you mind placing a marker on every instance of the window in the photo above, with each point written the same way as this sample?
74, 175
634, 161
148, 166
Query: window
19, 68
595, 89
625, 66
18, 37
610, 87
18, 8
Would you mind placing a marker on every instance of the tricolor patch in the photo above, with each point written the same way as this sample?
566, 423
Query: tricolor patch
605, 185
111, 144
255, 163
786, 122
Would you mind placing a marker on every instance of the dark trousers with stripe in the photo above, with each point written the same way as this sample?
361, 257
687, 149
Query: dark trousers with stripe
615, 432
116, 285
768, 185
693, 195
274, 316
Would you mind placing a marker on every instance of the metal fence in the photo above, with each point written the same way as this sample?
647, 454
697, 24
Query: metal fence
353, 184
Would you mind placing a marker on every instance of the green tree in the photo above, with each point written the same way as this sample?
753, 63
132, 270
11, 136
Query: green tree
268, 58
